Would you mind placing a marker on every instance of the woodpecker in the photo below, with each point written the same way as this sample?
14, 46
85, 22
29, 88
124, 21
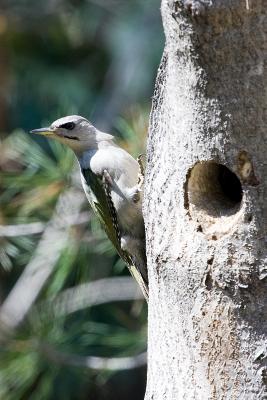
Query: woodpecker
112, 181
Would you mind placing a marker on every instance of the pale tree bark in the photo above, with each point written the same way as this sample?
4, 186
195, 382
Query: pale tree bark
206, 206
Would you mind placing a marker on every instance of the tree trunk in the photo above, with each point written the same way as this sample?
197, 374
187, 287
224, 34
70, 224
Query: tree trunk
205, 204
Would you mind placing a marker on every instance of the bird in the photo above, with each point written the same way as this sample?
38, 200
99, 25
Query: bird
113, 183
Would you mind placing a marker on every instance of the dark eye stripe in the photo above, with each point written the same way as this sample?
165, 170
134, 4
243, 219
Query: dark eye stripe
68, 125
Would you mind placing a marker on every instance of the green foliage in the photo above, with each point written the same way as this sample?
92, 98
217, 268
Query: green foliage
96, 58
39, 355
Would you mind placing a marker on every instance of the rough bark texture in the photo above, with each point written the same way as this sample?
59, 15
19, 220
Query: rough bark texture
206, 204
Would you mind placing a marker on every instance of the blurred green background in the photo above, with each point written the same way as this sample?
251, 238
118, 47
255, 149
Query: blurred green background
73, 323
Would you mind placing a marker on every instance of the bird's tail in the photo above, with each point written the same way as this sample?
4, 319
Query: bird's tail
138, 267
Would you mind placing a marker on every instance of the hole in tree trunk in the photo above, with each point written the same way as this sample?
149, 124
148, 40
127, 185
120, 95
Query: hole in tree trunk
213, 197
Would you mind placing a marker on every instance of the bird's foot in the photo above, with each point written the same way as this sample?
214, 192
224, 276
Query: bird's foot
141, 174
137, 194
134, 194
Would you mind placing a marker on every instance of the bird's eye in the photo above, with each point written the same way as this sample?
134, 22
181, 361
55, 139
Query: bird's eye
68, 125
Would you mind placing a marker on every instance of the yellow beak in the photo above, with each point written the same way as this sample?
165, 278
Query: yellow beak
43, 131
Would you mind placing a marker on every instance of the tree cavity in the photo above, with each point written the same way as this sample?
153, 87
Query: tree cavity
213, 197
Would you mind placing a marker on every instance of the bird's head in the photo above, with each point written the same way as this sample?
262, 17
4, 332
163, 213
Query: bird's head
74, 131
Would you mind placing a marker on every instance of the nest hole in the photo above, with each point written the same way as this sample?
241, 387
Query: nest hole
213, 192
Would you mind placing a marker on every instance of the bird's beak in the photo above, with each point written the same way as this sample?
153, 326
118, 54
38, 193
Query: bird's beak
43, 131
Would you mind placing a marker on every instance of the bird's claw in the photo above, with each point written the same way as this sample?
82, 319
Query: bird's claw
141, 179
136, 195
141, 174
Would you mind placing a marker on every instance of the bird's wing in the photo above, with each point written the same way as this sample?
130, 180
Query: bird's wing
100, 200
102, 204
